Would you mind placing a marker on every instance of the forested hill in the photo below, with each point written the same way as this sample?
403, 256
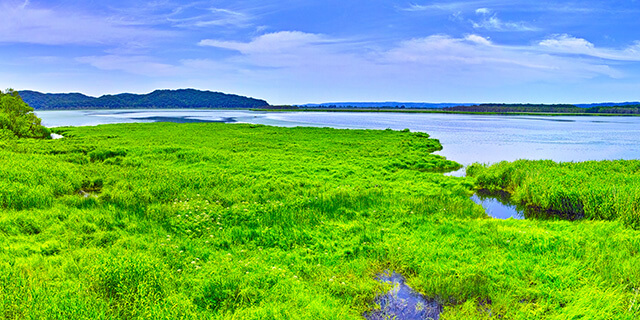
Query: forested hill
161, 99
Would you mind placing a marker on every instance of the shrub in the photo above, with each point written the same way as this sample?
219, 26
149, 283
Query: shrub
17, 117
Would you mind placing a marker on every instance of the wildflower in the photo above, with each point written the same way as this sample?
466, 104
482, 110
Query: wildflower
193, 262
179, 270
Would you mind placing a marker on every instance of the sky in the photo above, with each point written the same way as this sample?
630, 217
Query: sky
297, 51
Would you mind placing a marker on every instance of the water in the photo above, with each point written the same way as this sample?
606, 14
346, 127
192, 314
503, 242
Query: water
466, 138
402, 302
497, 205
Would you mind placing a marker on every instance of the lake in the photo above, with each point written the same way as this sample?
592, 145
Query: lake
466, 138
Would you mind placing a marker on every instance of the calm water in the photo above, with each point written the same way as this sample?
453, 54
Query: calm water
466, 138
402, 302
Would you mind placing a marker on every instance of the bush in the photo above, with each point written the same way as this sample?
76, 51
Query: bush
17, 117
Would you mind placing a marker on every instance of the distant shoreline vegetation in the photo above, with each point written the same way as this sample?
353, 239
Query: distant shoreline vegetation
497, 109
158, 99
198, 99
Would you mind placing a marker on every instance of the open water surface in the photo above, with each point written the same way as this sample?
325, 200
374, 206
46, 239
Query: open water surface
466, 138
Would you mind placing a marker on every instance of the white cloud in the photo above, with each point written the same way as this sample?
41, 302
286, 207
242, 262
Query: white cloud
478, 39
286, 49
529, 6
187, 16
475, 55
446, 6
490, 21
25, 23
436, 57
141, 65
283, 41
567, 44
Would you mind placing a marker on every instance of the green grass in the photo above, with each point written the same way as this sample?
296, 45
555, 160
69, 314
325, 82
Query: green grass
596, 190
187, 221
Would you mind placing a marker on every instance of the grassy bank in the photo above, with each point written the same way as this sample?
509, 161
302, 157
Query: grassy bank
595, 190
151, 221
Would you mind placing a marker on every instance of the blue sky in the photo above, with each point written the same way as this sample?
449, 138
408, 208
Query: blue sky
291, 52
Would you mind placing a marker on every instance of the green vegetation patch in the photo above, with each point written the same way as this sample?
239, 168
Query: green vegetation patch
596, 190
17, 118
191, 221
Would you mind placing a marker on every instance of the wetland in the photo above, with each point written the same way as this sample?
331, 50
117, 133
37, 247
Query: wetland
247, 221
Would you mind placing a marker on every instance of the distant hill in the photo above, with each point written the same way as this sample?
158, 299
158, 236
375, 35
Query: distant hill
159, 99
388, 104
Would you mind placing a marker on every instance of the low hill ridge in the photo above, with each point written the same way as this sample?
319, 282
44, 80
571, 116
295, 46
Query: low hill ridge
158, 99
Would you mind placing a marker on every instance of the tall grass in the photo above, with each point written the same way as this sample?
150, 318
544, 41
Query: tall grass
189, 221
596, 190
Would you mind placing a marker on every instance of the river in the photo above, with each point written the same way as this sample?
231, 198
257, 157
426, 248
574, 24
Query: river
466, 138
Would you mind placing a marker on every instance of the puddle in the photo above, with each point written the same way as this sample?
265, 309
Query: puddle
56, 136
402, 302
497, 204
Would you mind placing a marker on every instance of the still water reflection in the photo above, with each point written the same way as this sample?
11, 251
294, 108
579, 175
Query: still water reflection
497, 205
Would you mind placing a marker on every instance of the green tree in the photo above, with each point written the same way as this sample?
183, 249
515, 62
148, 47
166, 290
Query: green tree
17, 118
